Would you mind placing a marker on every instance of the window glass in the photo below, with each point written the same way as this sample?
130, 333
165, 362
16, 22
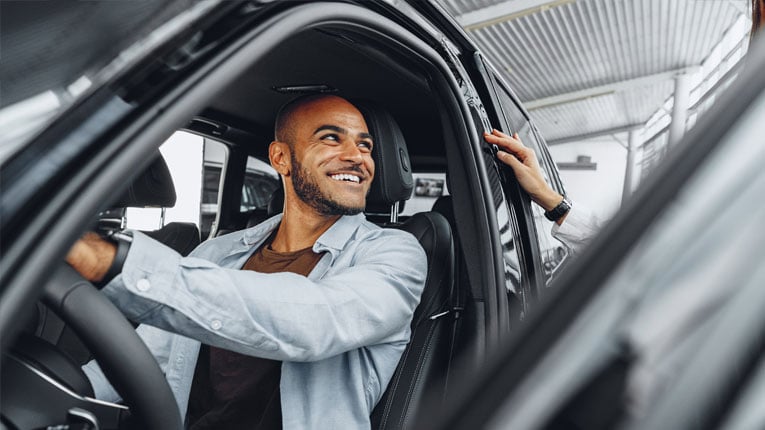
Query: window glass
552, 251
428, 187
183, 154
215, 157
507, 224
260, 182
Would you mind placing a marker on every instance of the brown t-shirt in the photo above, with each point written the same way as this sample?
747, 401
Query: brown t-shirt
236, 391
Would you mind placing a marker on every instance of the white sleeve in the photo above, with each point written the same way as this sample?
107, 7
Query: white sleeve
577, 229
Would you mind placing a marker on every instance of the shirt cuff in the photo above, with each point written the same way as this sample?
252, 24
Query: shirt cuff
579, 226
148, 273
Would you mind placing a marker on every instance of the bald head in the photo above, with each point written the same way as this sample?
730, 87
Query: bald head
288, 116
323, 151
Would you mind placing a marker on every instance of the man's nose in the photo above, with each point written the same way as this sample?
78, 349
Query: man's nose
352, 152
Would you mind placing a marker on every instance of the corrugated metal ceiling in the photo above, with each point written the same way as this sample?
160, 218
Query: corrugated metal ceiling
584, 66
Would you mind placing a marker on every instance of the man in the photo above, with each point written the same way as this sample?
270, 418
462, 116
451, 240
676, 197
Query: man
303, 317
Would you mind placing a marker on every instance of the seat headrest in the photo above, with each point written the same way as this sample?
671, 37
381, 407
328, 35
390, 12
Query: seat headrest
152, 188
393, 172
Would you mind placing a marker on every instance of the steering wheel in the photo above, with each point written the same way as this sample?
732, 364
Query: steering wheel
121, 354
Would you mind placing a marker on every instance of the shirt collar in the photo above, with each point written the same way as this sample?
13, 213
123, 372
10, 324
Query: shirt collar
257, 234
334, 239
337, 236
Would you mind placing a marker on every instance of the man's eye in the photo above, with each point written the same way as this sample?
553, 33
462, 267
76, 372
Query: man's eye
366, 145
333, 137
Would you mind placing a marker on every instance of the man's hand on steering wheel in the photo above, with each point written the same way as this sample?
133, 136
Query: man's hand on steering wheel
92, 256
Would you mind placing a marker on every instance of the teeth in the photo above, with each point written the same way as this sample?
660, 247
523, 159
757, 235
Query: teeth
345, 177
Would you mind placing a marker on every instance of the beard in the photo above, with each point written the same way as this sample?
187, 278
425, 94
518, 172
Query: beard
309, 192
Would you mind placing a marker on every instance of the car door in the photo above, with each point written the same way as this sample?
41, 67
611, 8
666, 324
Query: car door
551, 252
659, 323
539, 251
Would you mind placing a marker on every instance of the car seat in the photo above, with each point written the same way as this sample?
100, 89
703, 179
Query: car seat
424, 366
155, 188
152, 188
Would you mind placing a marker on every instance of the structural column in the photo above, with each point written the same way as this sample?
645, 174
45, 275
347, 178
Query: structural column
680, 108
629, 173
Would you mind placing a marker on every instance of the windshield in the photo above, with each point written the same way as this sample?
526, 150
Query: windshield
54, 52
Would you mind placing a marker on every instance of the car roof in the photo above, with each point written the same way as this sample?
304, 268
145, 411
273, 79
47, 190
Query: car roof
87, 37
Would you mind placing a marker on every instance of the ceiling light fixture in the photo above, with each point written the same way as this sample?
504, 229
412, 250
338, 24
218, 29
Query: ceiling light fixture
477, 21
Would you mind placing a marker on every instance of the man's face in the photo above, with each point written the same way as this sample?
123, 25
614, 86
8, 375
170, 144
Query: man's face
331, 159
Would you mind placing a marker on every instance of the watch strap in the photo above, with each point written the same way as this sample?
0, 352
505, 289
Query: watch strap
558, 211
123, 240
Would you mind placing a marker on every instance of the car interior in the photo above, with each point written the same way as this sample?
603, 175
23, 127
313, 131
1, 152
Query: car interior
558, 370
411, 117
402, 103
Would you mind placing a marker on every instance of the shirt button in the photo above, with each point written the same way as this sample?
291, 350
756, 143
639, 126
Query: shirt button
143, 285
216, 324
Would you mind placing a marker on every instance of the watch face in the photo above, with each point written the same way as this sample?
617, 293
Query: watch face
558, 211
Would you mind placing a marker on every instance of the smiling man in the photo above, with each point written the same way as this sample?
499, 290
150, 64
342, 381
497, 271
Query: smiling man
323, 151
298, 322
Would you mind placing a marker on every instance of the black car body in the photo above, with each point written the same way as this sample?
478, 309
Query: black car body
221, 70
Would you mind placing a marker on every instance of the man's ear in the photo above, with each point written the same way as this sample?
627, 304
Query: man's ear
279, 155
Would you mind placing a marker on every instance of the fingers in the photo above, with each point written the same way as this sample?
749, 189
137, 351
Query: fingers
522, 160
509, 159
509, 143
91, 256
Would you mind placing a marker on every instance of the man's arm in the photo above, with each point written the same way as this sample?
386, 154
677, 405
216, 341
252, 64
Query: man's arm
580, 223
523, 161
280, 316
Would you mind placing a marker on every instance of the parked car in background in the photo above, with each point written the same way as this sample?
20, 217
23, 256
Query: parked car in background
96, 109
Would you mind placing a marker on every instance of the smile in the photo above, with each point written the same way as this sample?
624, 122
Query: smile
346, 177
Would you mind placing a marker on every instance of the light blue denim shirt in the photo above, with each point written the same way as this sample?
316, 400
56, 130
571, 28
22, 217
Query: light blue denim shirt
339, 332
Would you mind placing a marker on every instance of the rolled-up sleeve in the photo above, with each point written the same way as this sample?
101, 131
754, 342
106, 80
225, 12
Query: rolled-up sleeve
283, 316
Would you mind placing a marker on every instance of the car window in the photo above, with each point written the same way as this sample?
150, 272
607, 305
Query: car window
552, 251
507, 223
428, 187
508, 230
260, 182
215, 157
183, 154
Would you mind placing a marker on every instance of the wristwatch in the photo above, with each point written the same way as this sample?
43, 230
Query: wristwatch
123, 239
559, 211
